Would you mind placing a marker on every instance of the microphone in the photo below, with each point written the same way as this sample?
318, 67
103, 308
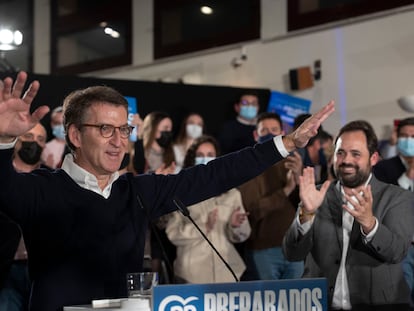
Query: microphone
184, 210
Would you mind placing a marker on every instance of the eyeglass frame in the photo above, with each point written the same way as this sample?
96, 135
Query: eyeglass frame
245, 102
101, 126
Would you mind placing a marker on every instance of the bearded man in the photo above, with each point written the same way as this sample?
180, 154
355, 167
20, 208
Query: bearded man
356, 231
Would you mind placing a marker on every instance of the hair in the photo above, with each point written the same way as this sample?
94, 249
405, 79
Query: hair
300, 119
404, 122
182, 133
269, 115
190, 156
149, 131
77, 104
248, 93
366, 128
58, 109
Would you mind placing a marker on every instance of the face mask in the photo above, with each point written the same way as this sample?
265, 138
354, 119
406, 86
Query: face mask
58, 131
203, 160
405, 146
248, 112
194, 130
125, 161
30, 152
165, 140
264, 138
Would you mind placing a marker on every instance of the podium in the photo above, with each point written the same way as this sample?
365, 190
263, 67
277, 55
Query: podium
277, 295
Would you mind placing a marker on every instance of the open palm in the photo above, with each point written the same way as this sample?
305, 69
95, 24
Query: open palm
310, 196
15, 115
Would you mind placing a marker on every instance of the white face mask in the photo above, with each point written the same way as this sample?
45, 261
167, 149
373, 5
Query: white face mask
194, 130
203, 160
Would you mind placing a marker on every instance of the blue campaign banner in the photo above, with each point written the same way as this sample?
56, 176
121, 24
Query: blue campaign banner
277, 295
132, 109
288, 107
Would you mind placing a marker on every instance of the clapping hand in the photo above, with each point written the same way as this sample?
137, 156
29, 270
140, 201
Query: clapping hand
310, 196
237, 217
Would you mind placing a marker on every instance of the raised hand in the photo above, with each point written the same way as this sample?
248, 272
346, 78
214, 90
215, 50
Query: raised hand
15, 116
309, 128
310, 196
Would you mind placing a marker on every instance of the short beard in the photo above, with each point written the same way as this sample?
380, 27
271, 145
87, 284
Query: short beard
353, 181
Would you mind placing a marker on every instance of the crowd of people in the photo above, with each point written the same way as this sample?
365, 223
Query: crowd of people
276, 205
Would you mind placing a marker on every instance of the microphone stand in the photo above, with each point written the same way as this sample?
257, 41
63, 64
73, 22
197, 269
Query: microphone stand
184, 210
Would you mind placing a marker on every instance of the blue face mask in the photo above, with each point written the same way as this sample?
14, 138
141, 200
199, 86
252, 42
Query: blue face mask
58, 131
248, 112
203, 160
405, 146
264, 138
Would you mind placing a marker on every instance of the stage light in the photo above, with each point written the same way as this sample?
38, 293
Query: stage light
9, 39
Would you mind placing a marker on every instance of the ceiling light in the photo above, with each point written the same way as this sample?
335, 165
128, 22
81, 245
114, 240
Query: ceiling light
111, 32
207, 10
10, 40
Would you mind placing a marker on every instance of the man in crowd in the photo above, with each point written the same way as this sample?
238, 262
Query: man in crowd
356, 231
15, 291
237, 133
271, 199
90, 221
399, 170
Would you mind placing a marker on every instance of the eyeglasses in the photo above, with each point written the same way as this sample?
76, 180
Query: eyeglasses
247, 103
108, 130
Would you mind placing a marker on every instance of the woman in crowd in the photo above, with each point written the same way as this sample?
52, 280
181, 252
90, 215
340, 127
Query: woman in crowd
153, 149
153, 153
222, 219
191, 128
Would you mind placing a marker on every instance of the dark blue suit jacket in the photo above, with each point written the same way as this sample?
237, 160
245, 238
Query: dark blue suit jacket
389, 170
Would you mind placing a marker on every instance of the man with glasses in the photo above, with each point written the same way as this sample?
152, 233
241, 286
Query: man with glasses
84, 225
237, 133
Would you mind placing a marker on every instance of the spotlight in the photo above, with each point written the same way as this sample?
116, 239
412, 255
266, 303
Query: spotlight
9, 39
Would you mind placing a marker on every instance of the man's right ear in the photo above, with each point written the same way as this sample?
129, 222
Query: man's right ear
255, 135
237, 108
74, 135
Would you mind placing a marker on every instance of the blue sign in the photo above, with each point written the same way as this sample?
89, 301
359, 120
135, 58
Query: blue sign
277, 295
288, 107
132, 109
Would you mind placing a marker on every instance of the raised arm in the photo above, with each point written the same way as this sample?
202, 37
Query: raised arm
15, 116
300, 137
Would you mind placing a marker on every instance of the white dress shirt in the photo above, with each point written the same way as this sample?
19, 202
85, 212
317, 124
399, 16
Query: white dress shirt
341, 299
405, 182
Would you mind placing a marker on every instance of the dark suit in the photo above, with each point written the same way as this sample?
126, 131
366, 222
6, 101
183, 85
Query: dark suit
389, 170
374, 269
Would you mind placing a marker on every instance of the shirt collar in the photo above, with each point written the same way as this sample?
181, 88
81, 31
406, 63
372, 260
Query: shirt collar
404, 162
85, 179
246, 122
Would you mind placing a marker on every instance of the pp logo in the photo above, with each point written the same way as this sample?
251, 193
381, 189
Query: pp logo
177, 303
